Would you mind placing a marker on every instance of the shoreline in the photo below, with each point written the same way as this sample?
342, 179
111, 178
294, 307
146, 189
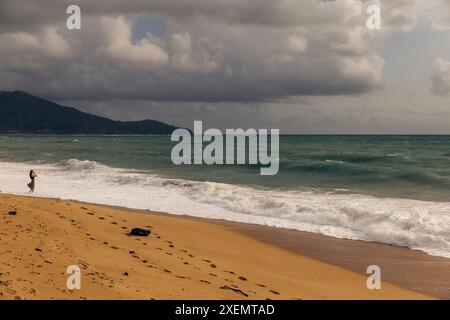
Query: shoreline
406, 267
246, 249
405, 222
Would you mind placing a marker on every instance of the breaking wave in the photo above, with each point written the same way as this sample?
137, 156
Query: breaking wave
415, 224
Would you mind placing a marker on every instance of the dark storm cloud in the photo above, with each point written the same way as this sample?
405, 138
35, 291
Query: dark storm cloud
211, 50
22, 13
215, 50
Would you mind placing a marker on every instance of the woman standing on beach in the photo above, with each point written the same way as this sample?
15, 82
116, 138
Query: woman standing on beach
31, 185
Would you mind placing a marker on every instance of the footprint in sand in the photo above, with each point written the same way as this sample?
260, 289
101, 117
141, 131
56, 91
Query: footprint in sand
225, 287
274, 292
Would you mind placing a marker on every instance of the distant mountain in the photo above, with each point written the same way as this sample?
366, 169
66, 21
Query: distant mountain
21, 112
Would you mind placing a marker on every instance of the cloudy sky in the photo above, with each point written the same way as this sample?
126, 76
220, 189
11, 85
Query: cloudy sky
303, 66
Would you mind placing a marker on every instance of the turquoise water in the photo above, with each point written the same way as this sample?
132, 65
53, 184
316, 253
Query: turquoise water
416, 167
355, 187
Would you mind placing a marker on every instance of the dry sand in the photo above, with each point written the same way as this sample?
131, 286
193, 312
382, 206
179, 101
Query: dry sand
181, 259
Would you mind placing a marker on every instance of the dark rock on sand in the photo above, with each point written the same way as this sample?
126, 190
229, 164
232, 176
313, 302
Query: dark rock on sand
12, 213
138, 232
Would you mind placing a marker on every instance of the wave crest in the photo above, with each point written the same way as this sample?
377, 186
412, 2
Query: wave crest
412, 223
80, 165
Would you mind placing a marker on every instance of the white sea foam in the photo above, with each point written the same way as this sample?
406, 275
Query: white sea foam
416, 224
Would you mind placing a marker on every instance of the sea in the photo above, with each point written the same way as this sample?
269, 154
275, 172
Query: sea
387, 189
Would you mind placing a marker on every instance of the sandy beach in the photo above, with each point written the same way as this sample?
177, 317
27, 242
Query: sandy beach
185, 258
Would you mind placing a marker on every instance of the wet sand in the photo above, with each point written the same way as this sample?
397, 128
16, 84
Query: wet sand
411, 269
